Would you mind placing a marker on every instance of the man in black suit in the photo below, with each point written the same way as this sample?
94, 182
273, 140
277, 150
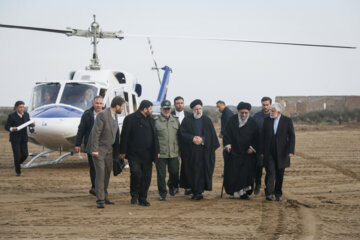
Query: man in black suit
226, 114
181, 114
179, 109
139, 144
84, 129
277, 148
18, 138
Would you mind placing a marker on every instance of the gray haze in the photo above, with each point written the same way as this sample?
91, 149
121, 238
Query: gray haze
211, 71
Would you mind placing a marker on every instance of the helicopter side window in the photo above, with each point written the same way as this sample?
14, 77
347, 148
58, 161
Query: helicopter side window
126, 96
102, 92
79, 95
45, 94
134, 102
120, 77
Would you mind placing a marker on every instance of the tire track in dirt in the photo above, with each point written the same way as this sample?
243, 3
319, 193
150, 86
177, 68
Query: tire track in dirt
308, 219
276, 218
346, 172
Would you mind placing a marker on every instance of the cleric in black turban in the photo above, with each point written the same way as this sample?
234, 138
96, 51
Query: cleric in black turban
196, 102
199, 142
244, 105
241, 141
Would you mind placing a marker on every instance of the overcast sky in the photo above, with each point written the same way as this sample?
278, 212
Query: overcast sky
210, 71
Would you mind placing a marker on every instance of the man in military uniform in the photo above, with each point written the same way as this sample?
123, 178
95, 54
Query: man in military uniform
167, 126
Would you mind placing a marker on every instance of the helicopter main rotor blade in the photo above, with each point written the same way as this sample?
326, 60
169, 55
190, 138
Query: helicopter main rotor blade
37, 29
239, 40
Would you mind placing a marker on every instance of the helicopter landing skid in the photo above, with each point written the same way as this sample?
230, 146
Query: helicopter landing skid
34, 162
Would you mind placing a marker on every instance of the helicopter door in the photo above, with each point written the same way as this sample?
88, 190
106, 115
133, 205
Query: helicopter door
124, 95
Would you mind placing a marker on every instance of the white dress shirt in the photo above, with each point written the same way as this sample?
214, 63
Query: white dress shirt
276, 124
180, 115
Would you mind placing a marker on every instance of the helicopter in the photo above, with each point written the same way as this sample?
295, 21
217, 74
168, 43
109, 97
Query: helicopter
56, 106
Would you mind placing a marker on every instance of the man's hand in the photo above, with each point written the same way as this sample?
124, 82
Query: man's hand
14, 129
158, 155
77, 149
95, 154
197, 140
220, 135
122, 155
291, 155
250, 151
228, 148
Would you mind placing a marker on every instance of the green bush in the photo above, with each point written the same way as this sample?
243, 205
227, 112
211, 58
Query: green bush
330, 117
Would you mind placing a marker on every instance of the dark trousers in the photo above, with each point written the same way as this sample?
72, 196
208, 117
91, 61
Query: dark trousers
140, 175
258, 175
274, 176
20, 151
173, 168
92, 171
259, 169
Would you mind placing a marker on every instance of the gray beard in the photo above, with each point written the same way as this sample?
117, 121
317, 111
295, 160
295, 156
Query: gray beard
196, 116
242, 122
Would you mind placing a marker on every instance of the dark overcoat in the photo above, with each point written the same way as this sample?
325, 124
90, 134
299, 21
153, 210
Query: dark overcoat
14, 121
197, 161
285, 140
239, 166
85, 126
132, 139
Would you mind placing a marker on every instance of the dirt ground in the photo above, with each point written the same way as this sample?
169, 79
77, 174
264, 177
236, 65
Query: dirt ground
321, 199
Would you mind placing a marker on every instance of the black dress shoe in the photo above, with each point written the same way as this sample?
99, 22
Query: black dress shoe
109, 202
18, 174
144, 203
278, 198
173, 191
188, 191
198, 197
245, 197
92, 192
269, 198
100, 205
162, 198
134, 200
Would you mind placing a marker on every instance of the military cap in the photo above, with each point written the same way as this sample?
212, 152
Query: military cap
166, 104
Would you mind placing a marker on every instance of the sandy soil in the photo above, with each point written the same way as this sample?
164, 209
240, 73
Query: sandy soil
321, 200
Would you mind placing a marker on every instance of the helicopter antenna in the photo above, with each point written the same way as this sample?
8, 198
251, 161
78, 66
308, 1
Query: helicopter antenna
153, 56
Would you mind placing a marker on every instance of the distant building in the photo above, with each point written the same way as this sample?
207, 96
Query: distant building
295, 105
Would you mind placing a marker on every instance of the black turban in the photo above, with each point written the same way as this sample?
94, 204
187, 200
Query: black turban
196, 102
244, 105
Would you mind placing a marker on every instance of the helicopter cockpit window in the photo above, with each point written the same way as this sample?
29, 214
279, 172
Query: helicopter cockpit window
45, 94
79, 95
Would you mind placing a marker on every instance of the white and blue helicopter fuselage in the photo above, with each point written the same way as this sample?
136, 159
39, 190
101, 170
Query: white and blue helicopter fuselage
57, 106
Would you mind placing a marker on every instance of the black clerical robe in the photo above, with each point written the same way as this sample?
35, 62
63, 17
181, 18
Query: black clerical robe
198, 161
239, 166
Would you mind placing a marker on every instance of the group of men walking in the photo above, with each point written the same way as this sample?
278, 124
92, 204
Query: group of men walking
250, 143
